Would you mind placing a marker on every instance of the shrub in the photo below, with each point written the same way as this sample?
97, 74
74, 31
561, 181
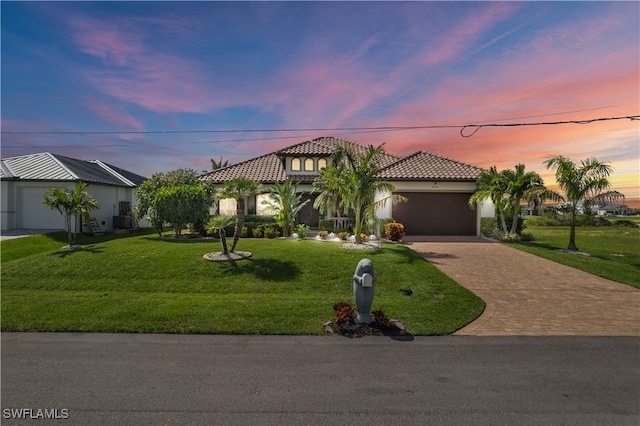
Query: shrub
245, 232
258, 232
326, 225
383, 224
302, 230
488, 225
344, 312
394, 231
381, 318
527, 237
625, 222
343, 235
271, 232
323, 234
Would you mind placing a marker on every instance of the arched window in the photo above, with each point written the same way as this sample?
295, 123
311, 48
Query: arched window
322, 163
295, 164
308, 164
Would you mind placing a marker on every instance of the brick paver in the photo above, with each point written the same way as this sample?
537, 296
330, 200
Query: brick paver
529, 295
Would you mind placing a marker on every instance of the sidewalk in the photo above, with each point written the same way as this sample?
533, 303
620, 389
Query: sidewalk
529, 295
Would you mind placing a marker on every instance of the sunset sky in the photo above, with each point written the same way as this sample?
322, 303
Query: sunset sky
163, 72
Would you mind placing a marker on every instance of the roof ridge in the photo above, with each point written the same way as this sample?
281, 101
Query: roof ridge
55, 158
113, 172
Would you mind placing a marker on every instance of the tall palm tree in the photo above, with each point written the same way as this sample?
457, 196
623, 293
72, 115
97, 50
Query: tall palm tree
70, 204
356, 184
239, 189
584, 182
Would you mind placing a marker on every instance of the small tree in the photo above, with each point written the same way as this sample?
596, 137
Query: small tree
584, 182
285, 202
219, 223
147, 197
239, 189
182, 204
71, 204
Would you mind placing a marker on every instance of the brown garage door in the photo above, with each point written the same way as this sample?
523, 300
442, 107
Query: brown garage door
432, 213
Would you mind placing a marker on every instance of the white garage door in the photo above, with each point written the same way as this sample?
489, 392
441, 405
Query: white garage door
33, 215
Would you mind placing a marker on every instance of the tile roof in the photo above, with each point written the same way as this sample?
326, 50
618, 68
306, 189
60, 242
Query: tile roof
426, 166
51, 167
269, 168
266, 169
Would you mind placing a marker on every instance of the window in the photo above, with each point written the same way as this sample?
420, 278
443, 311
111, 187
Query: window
308, 164
322, 163
295, 164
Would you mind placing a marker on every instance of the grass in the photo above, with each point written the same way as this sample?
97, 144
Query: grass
143, 284
614, 250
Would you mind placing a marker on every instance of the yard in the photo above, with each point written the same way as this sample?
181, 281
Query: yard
138, 283
614, 250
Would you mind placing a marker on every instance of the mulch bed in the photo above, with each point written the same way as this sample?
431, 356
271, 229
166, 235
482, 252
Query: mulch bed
351, 329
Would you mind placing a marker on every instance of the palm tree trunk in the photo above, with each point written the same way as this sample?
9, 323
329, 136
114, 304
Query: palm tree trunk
239, 223
223, 238
70, 237
516, 214
358, 228
572, 232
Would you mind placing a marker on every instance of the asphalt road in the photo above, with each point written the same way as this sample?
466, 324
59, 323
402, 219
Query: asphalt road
136, 379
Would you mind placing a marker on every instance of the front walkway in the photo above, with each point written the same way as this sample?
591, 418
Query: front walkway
529, 295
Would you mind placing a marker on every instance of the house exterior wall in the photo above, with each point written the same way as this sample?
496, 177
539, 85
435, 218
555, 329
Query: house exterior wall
21, 207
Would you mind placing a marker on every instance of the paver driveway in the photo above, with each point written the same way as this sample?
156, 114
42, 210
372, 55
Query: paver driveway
529, 295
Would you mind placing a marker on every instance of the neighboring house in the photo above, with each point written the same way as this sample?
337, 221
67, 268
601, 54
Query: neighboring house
437, 188
26, 178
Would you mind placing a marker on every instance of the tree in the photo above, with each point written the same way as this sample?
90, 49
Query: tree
491, 186
239, 189
147, 195
584, 182
521, 186
71, 204
215, 165
286, 202
219, 223
182, 204
355, 183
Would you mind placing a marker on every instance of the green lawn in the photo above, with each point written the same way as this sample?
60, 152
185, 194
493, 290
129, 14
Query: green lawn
614, 250
142, 284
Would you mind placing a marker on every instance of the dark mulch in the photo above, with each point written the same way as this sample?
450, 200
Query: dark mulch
351, 329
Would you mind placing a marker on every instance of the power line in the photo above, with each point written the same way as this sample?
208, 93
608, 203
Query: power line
324, 129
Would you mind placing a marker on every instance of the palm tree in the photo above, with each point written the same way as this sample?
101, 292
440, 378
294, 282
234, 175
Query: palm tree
584, 182
239, 189
215, 165
219, 223
328, 184
71, 204
491, 186
521, 186
354, 181
286, 202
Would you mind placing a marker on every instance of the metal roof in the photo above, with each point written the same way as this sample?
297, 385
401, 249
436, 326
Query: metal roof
46, 166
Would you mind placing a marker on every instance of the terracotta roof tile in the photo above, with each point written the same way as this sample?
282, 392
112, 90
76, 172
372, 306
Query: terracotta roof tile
267, 168
426, 166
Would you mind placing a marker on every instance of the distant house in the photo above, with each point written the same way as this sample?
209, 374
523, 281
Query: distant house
25, 179
437, 188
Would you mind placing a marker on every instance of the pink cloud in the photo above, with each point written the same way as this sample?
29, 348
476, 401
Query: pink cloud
116, 116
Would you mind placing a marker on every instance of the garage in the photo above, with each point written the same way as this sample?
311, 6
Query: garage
436, 213
35, 215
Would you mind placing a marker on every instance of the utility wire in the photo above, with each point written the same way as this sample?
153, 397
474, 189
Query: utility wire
325, 129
